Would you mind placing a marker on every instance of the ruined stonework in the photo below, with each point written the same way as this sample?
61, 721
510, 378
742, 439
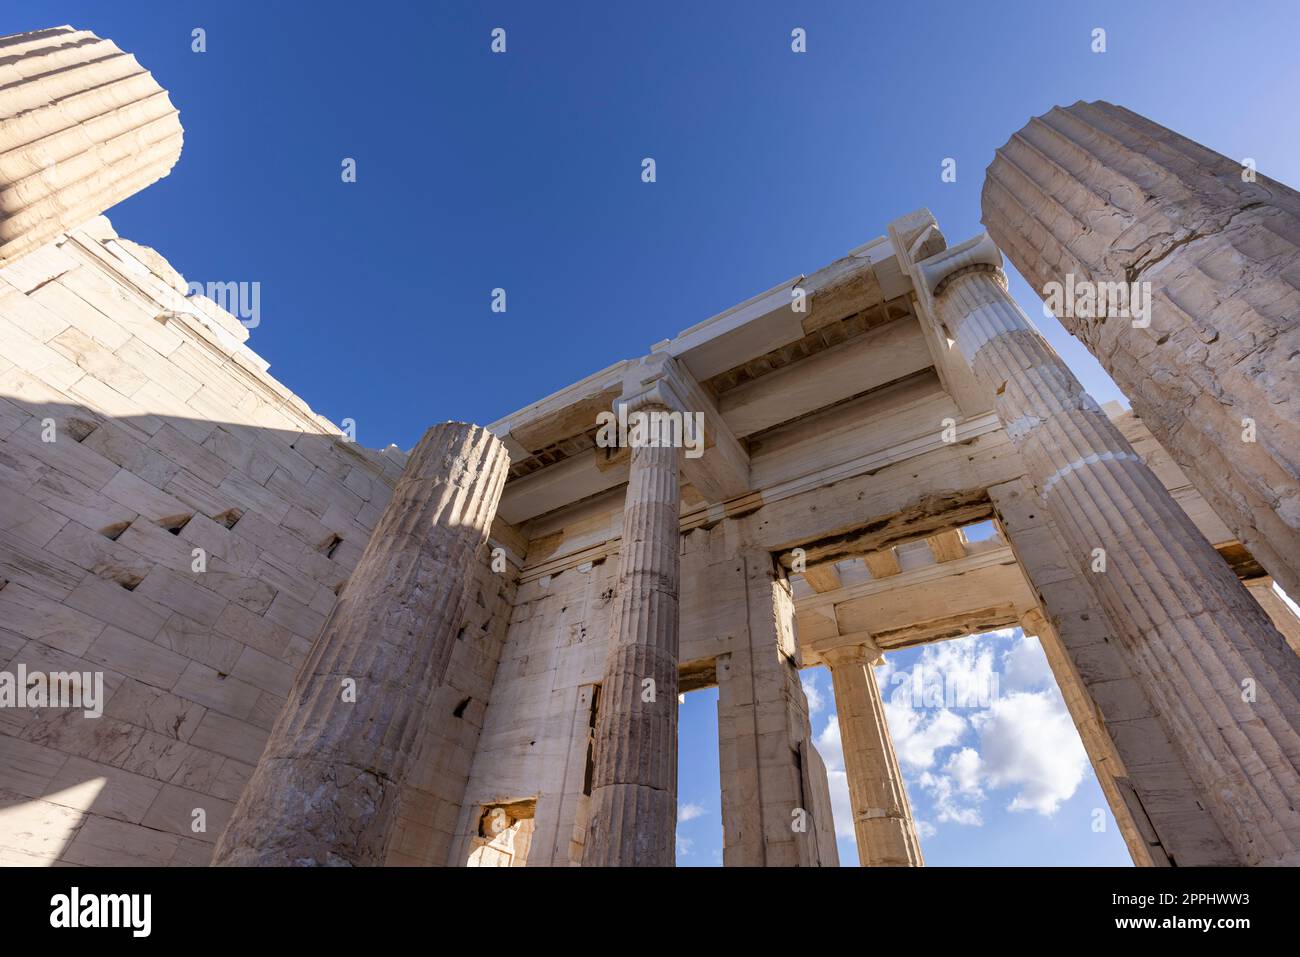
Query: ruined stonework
82, 127
1193, 631
176, 520
169, 436
1097, 191
327, 786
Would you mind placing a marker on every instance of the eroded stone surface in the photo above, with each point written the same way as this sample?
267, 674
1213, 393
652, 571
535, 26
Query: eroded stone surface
846, 449
82, 127
1097, 191
1193, 632
325, 790
634, 784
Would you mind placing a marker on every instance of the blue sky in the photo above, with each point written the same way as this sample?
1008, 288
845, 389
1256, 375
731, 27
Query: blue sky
1000, 777
522, 171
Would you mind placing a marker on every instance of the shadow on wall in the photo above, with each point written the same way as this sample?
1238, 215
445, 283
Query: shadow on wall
181, 570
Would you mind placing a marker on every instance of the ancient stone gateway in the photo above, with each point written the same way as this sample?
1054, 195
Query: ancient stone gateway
472, 653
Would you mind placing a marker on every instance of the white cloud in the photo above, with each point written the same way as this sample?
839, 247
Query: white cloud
949, 674
829, 745
832, 752
950, 805
1028, 741
925, 829
841, 807
965, 767
916, 739
814, 695
684, 845
1025, 667
689, 812
1024, 739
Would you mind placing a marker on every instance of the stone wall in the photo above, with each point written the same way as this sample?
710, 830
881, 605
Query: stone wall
136, 426
737, 631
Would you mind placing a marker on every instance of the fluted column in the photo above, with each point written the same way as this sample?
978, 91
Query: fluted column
1096, 193
82, 127
634, 784
1225, 683
325, 790
882, 816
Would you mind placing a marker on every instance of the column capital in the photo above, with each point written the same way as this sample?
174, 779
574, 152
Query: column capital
978, 254
651, 383
866, 653
656, 398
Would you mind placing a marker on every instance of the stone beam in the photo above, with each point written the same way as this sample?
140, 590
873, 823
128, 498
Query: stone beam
913, 481
980, 592
558, 485
823, 578
82, 127
1093, 193
882, 563
787, 312
932, 513
947, 546
879, 356
914, 237
940, 485
722, 472
562, 415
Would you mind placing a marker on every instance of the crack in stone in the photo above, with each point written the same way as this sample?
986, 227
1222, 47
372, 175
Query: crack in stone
1131, 273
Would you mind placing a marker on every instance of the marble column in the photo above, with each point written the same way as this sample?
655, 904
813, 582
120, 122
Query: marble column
882, 816
325, 790
634, 784
1222, 678
776, 802
1093, 193
82, 127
